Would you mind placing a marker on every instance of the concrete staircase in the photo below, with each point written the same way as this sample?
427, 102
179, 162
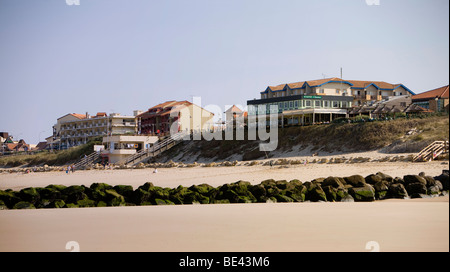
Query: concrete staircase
155, 150
431, 151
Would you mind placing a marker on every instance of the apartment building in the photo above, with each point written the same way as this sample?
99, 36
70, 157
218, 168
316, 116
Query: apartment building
323, 100
158, 120
75, 129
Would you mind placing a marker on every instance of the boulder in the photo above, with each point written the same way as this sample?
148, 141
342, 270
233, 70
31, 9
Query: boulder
355, 181
141, 197
397, 190
9, 198
444, 179
315, 193
73, 193
3, 205
259, 192
385, 177
335, 182
57, 203
201, 189
363, 194
24, 205
86, 202
125, 190
348, 198
416, 188
381, 189
373, 179
29, 195
49, 193
414, 179
297, 193
113, 198
283, 198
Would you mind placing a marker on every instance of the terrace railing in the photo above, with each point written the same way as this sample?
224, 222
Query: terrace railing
431, 151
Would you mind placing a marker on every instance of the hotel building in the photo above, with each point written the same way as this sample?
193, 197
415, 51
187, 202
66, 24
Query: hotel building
323, 100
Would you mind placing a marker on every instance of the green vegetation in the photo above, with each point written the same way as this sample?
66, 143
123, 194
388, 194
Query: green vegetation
51, 158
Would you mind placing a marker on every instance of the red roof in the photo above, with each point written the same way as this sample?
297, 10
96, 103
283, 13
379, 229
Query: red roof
441, 92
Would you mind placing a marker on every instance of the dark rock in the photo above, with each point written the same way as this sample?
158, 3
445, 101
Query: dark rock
24, 205
414, 179
73, 193
281, 184
397, 190
57, 203
444, 179
9, 198
385, 177
297, 193
113, 198
146, 186
398, 180
49, 193
201, 189
125, 190
355, 181
141, 197
416, 188
373, 179
363, 194
335, 182
433, 190
283, 198
259, 192
100, 186
29, 195
315, 193
381, 189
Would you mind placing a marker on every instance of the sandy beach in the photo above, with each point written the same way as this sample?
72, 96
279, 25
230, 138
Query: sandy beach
396, 225
407, 225
216, 176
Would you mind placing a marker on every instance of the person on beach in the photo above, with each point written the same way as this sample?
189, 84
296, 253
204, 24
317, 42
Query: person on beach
155, 171
67, 169
72, 167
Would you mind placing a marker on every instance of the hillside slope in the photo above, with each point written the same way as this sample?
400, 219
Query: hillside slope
395, 136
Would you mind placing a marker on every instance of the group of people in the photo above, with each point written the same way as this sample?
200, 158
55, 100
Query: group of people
70, 168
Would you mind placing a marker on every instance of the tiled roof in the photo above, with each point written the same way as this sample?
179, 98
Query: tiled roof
78, 115
441, 92
318, 82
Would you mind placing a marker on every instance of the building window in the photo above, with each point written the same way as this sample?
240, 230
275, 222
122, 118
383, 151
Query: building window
296, 104
344, 104
291, 104
317, 104
285, 105
338, 91
307, 103
335, 104
326, 104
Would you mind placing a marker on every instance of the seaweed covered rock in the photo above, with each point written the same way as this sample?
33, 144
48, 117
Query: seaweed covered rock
363, 194
355, 181
381, 189
73, 193
259, 192
315, 192
125, 190
373, 179
29, 195
24, 205
3, 205
9, 198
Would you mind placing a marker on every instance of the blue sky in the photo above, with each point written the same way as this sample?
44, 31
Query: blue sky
125, 55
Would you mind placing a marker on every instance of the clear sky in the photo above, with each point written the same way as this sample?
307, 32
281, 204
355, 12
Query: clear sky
125, 55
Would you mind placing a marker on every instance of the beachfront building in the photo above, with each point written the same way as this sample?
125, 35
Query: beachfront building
363, 92
435, 100
234, 113
119, 147
318, 101
158, 120
75, 129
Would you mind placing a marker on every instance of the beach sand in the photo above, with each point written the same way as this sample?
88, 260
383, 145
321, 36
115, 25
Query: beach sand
216, 176
407, 225
396, 225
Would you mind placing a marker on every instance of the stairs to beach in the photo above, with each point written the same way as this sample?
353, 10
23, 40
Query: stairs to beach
431, 151
90, 159
155, 150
